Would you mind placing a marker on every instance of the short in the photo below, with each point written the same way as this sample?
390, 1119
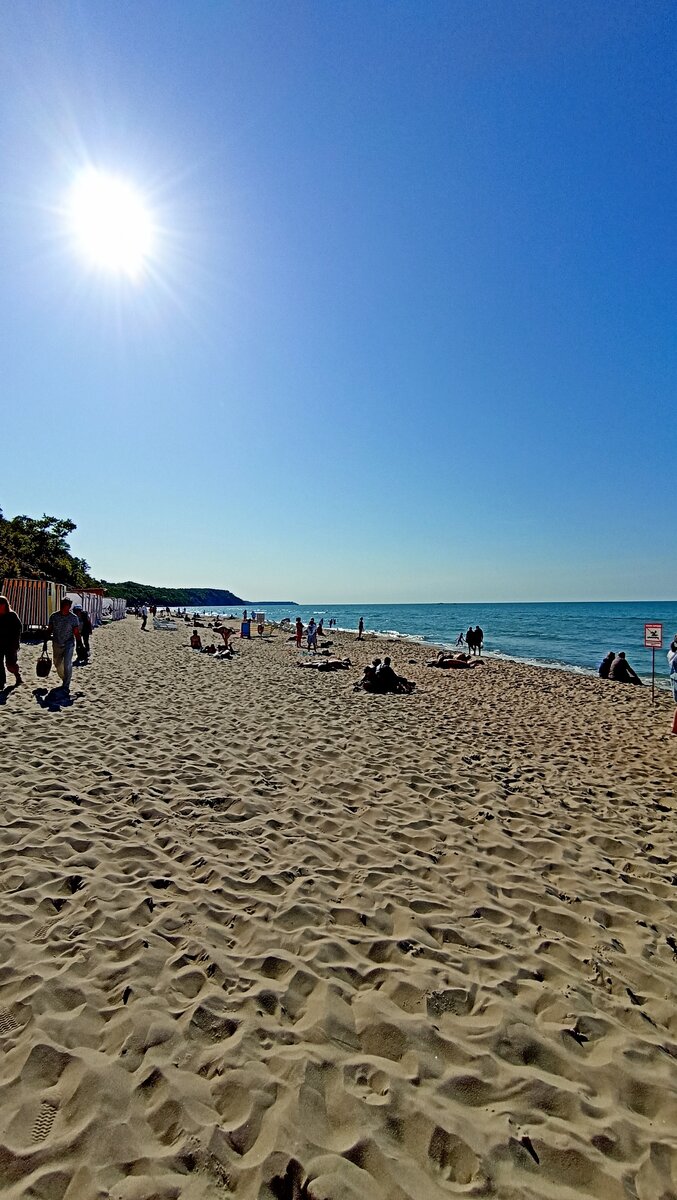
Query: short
11, 657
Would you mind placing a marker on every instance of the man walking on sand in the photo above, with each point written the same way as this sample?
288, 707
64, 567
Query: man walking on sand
144, 614
64, 630
10, 637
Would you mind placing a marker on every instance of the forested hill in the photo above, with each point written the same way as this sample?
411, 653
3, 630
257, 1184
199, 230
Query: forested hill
135, 593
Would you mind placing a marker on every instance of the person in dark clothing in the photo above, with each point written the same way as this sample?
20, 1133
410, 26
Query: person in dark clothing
386, 679
479, 639
367, 682
622, 672
605, 665
85, 631
10, 637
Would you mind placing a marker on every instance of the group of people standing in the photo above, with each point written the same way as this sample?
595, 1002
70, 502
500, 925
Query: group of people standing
314, 629
474, 639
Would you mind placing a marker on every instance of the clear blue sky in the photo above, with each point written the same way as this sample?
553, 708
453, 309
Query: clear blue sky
410, 330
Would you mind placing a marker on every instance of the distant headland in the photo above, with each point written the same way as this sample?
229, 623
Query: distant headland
191, 597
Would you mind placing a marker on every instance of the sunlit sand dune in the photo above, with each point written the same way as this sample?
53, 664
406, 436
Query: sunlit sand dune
267, 937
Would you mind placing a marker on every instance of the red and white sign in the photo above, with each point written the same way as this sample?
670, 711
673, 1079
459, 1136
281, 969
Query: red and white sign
653, 636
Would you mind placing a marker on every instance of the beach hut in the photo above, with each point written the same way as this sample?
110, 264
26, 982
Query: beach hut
89, 603
34, 600
92, 602
113, 609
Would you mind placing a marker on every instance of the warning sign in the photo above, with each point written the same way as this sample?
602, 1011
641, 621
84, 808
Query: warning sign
653, 636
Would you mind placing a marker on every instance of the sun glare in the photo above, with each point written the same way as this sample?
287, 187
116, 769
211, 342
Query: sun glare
110, 223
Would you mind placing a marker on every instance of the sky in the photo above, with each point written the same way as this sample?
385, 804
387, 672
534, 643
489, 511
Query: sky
407, 332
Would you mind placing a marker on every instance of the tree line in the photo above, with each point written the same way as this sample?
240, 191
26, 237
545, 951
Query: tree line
38, 548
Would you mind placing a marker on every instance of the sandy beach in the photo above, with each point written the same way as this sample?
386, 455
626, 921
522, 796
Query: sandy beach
266, 937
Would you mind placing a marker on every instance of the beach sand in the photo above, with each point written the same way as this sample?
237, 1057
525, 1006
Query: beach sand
263, 936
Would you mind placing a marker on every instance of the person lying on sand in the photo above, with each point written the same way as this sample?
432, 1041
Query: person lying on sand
455, 661
327, 664
195, 640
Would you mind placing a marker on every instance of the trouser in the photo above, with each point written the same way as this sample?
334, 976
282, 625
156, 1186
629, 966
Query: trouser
63, 662
10, 658
143, 623
83, 649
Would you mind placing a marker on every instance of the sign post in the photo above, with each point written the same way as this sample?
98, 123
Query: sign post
653, 640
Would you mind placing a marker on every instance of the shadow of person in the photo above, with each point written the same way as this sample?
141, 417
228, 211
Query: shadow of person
54, 699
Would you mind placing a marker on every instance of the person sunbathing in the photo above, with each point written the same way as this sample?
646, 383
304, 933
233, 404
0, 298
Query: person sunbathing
195, 640
452, 662
327, 664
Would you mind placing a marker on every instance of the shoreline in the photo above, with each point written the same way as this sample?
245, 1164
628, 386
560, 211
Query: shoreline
405, 639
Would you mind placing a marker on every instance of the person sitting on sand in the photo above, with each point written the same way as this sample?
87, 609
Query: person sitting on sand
386, 679
195, 640
605, 665
367, 682
621, 671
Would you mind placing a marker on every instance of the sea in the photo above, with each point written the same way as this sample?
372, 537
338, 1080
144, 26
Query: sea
570, 637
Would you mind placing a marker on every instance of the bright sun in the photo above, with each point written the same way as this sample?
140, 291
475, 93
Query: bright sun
110, 223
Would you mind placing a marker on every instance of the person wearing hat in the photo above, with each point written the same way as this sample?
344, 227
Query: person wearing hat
85, 631
10, 637
64, 631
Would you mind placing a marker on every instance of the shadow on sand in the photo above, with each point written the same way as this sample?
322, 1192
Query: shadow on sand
54, 699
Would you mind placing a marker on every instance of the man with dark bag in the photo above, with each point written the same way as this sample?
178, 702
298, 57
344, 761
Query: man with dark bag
64, 630
10, 637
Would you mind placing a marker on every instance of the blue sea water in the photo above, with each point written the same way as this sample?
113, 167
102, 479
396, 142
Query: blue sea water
569, 636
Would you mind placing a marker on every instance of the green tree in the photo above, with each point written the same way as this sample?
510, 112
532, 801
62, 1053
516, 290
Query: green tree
39, 549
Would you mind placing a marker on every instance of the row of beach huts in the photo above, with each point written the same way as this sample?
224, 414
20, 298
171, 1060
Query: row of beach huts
34, 600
